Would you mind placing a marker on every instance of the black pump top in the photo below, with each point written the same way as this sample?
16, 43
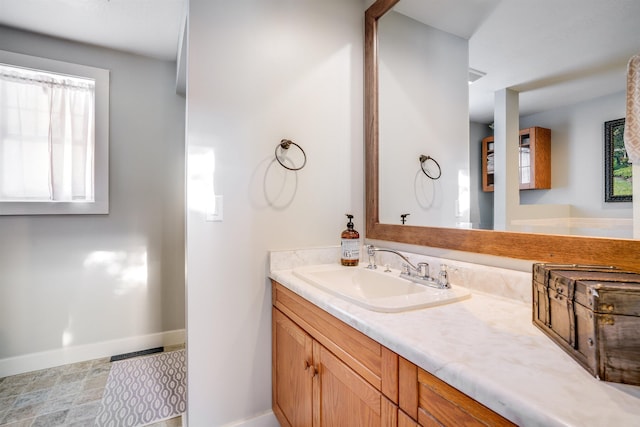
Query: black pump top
349, 224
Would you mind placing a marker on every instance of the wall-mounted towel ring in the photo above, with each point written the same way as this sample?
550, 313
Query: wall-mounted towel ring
423, 160
284, 145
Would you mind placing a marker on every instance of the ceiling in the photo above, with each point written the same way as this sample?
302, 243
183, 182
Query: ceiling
144, 27
554, 52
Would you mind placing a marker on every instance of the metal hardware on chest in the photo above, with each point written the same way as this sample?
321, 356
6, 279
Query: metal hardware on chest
607, 320
608, 308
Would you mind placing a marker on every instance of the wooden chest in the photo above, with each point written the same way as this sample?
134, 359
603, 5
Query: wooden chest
593, 313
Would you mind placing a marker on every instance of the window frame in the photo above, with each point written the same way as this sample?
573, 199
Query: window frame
100, 205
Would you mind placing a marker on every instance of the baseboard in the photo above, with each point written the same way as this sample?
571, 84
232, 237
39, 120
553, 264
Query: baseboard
268, 419
48, 359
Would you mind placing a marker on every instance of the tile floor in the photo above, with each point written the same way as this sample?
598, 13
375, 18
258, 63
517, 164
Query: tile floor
66, 395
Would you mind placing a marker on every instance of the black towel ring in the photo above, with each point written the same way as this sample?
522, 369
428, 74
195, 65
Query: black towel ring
285, 144
423, 159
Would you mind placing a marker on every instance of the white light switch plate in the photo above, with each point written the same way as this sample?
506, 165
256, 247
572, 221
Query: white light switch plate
216, 214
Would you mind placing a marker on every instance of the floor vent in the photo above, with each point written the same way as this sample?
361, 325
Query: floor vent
136, 354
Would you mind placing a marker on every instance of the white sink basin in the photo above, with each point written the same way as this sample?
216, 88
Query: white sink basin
377, 290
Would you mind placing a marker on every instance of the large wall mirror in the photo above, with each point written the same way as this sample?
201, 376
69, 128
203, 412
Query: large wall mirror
395, 137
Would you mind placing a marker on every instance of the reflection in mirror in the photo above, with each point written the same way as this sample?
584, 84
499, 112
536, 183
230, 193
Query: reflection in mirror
422, 115
528, 246
426, 105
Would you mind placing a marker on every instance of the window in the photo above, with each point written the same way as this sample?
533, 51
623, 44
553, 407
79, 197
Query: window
53, 137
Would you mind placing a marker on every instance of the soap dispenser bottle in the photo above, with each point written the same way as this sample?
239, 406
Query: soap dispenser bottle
350, 245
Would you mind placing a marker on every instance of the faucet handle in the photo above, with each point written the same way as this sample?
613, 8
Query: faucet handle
372, 257
443, 277
423, 270
406, 269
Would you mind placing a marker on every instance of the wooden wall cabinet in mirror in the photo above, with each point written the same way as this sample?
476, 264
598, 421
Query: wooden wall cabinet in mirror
534, 160
488, 164
624, 253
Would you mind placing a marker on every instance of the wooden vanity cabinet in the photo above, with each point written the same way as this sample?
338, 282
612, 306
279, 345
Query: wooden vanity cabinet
425, 400
534, 163
325, 373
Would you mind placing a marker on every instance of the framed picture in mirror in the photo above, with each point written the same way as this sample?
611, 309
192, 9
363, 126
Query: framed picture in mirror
617, 168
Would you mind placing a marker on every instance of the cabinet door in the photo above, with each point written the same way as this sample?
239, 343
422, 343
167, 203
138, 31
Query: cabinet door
433, 403
405, 420
292, 372
343, 399
439, 404
535, 158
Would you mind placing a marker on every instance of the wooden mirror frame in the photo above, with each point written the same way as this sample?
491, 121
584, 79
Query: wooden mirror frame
624, 253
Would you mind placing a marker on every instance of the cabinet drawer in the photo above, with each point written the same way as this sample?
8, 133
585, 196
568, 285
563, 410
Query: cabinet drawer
371, 360
450, 407
432, 402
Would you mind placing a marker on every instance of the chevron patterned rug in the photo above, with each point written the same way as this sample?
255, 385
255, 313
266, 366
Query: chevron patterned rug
144, 390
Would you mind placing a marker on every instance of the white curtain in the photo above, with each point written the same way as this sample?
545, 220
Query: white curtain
46, 136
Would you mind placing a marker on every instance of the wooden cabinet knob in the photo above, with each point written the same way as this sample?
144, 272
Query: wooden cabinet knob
308, 365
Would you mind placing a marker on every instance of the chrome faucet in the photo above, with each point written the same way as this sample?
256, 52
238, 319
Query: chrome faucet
416, 273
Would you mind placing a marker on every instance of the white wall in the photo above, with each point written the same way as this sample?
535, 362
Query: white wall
481, 212
577, 157
260, 71
78, 281
424, 98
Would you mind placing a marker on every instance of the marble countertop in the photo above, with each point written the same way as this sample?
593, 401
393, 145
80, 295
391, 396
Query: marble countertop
488, 348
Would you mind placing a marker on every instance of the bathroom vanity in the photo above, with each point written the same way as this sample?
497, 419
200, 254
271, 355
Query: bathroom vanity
478, 361
326, 373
